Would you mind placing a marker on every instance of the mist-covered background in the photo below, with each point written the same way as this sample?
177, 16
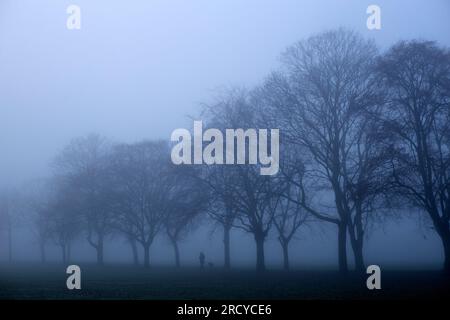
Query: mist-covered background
137, 70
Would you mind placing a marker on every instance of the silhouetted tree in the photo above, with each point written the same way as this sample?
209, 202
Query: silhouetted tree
222, 210
11, 215
319, 99
62, 218
187, 201
289, 214
416, 76
84, 165
38, 197
6, 220
219, 180
249, 190
143, 184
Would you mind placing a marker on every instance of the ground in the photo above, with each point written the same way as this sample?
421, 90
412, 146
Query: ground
35, 281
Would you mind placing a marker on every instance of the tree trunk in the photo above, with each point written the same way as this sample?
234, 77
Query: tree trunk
100, 251
442, 228
69, 252
446, 244
359, 257
226, 246
64, 256
146, 255
357, 239
10, 257
177, 253
260, 262
134, 250
342, 247
42, 251
285, 246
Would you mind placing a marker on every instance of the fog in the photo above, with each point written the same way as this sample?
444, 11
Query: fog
138, 71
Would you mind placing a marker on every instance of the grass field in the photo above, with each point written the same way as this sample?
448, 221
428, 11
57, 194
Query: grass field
122, 282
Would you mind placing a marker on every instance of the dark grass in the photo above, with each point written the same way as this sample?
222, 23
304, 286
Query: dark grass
34, 281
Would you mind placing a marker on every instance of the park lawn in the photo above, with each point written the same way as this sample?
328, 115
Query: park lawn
35, 281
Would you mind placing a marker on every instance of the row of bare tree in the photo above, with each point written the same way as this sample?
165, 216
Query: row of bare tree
363, 135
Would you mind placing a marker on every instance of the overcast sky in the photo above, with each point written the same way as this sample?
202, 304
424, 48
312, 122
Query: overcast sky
136, 69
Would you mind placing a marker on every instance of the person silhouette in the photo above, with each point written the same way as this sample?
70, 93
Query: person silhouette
202, 259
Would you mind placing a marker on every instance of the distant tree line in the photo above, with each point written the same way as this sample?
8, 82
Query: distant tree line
364, 136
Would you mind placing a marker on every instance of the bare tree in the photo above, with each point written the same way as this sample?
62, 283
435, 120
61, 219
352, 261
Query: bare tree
11, 215
187, 201
38, 197
223, 210
62, 219
142, 189
249, 191
367, 180
6, 220
319, 100
289, 214
84, 165
416, 75
221, 114
42, 227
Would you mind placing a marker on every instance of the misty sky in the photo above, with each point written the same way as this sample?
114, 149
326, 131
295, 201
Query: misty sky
136, 69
